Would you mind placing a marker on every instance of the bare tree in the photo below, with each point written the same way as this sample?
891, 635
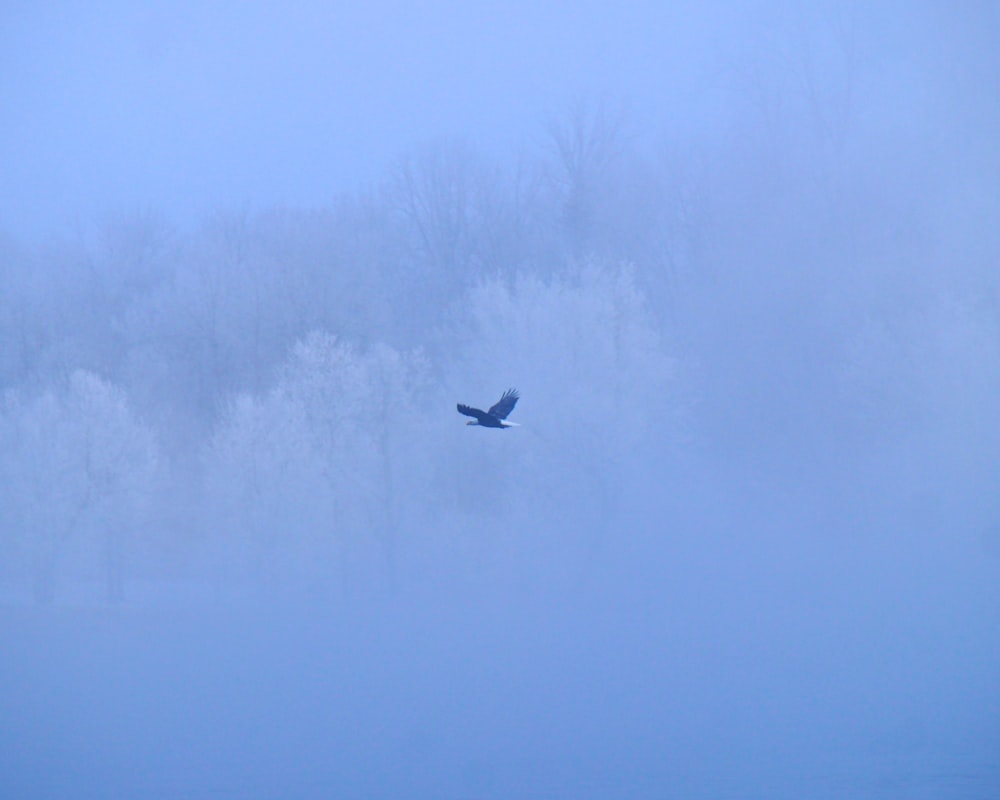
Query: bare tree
435, 189
584, 148
462, 215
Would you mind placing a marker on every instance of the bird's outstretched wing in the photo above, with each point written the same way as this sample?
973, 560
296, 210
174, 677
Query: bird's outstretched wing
505, 404
469, 411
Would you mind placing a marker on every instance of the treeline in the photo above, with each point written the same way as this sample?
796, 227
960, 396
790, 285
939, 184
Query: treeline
188, 317
266, 402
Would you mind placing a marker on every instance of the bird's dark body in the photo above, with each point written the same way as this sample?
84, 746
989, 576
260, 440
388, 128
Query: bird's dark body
485, 419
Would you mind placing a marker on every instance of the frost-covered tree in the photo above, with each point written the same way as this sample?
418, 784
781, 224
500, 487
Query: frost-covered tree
308, 474
75, 462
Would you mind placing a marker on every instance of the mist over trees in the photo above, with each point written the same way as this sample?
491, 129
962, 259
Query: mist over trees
652, 313
77, 464
759, 366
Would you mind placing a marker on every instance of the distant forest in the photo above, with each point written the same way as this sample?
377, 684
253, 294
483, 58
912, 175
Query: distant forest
265, 403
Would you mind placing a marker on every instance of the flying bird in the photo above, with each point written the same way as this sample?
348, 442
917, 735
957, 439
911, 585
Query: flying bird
496, 417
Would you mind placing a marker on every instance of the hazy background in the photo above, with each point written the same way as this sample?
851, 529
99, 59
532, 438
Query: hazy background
741, 261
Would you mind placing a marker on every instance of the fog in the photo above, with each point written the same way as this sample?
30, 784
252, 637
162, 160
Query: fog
739, 260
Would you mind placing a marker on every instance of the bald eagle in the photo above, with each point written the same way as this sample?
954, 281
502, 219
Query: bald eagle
496, 417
